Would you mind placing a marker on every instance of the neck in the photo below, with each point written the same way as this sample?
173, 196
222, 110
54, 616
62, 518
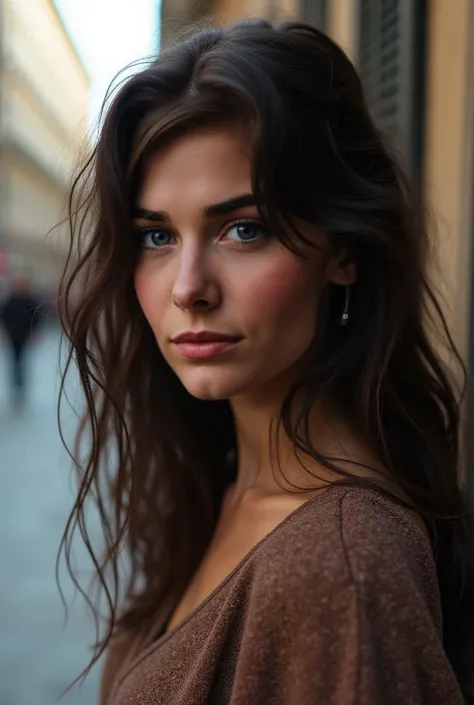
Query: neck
264, 449
268, 464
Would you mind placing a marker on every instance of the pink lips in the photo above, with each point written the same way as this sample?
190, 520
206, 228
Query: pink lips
204, 344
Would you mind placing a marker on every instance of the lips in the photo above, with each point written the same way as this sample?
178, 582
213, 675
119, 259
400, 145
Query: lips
204, 345
205, 337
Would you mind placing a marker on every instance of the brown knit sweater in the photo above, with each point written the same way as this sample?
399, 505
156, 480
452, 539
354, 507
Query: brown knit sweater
338, 605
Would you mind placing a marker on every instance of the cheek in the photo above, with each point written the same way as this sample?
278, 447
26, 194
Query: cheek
286, 293
148, 295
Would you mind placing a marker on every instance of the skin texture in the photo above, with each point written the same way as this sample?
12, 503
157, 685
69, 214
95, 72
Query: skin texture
197, 272
206, 279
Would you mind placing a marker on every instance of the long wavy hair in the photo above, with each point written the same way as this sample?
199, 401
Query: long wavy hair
157, 461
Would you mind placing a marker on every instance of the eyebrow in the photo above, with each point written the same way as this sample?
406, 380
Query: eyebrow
222, 208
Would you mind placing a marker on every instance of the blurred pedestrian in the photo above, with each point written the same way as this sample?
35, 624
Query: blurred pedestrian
20, 315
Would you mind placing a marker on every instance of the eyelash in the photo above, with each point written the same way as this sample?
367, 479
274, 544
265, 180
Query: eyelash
143, 232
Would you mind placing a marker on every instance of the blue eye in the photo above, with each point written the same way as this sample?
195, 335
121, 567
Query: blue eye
155, 239
240, 233
246, 231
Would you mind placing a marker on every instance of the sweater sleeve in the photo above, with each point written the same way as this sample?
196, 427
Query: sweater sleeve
348, 618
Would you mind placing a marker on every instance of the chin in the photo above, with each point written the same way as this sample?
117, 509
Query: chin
213, 385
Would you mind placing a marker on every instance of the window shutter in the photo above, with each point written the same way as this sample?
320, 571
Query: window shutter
391, 66
314, 12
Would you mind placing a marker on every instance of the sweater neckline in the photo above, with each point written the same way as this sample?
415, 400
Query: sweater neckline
164, 637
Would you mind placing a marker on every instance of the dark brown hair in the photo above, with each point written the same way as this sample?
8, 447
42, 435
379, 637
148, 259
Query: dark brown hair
156, 460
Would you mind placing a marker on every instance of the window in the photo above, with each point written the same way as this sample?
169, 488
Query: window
392, 65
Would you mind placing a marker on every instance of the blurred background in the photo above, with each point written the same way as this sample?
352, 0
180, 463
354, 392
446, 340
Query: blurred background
56, 61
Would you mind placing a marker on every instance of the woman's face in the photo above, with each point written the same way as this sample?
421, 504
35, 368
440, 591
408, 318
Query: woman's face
208, 264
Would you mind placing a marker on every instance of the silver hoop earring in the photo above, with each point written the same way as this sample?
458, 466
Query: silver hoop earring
345, 314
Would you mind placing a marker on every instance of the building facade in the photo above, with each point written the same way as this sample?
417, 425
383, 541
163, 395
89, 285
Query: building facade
43, 101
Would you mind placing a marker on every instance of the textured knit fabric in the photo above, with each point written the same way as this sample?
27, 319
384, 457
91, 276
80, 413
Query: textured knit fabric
338, 605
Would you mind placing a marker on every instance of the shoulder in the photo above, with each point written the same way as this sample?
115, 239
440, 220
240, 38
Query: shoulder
351, 540
354, 523
344, 606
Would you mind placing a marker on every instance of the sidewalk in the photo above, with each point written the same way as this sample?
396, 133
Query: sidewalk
39, 654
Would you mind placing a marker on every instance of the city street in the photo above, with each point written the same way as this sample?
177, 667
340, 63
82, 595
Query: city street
40, 654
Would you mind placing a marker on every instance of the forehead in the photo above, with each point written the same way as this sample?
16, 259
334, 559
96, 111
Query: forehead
205, 165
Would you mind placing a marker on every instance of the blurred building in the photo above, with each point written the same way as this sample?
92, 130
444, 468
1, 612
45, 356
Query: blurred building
43, 100
416, 59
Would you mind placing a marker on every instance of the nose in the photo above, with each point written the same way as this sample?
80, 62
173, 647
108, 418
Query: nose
196, 285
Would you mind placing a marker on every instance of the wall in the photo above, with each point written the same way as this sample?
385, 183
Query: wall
448, 152
179, 14
226, 11
342, 25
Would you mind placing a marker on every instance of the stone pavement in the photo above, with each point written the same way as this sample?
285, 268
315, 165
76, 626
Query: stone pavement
40, 654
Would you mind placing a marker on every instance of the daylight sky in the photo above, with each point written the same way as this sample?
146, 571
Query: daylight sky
109, 34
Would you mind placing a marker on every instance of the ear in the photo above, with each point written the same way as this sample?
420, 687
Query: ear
341, 271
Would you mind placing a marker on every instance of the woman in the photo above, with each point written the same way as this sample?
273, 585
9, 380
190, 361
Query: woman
252, 342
